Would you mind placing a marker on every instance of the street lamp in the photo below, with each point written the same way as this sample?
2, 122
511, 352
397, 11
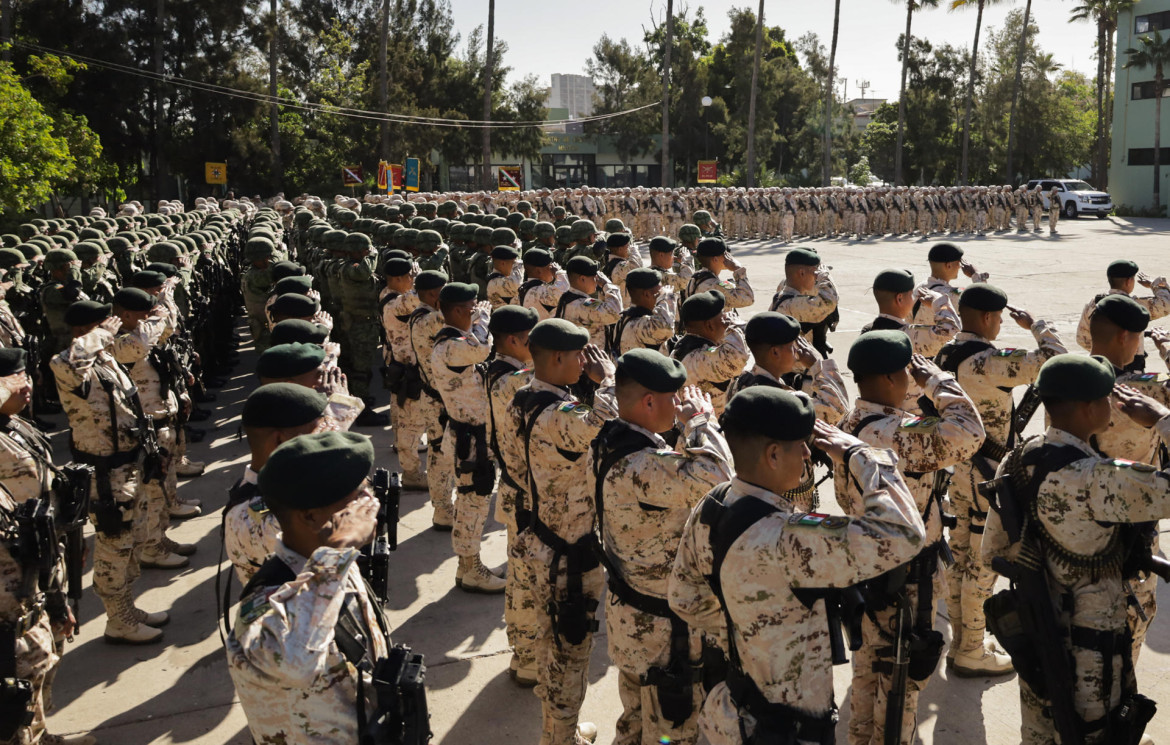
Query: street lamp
706, 101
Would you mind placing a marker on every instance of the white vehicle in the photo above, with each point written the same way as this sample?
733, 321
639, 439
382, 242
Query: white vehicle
1076, 197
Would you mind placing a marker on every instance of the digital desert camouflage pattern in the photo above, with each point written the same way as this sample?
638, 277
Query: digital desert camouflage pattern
292, 680
394, 314
256, 285
23, 474
1080, 507
737, 290
617, 273
653, 330
422, 329
594, 314
784, 646
36, 662
969, 580
544, 297
250, 536
713, 366
440, 471
77, 370
503, 289
807, 308
405, 413
647, 498
934, 286
1157, 304
923, 445
11, 332
928, 337
132, 348
677, 275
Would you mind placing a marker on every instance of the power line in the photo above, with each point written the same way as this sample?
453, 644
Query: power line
216, 89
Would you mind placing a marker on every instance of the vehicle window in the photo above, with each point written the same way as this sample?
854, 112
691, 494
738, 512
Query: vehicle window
1077, 186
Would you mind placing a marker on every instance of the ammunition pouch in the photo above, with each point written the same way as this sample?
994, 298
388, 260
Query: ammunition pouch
925, 650
573, 618
393, 374
1127, 723
714, 664
1007, 626
106, 512
779, 724
479, 464
16, 695
675, 686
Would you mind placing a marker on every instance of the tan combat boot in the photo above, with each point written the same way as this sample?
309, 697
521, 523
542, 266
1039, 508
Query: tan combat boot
444, 517
473, 576
122, 627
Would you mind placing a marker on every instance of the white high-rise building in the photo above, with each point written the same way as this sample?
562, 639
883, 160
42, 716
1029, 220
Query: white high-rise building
572, 92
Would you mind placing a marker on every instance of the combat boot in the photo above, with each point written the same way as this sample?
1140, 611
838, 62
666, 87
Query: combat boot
165, 560
123, 628
182, 549
190, 468
371, 418
183, 511
473, 576
523, 674
154, 620
415, 480
981, 660
47, 739
444, 517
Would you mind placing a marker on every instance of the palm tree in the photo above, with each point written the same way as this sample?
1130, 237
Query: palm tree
488, 65
911, 6
826, 178
751, 143
1153, 51
1023, 45
1103, 13
979, 5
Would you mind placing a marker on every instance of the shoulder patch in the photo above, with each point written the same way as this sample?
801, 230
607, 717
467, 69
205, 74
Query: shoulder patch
521, 371
1133, 465
726, 284
575, 407
1010, 352
921, 423
666, 453
817, 520
256, 605
1146, 379
589, 302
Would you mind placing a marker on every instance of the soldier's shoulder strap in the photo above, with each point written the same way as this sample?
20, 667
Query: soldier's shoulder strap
955, 353
726, 524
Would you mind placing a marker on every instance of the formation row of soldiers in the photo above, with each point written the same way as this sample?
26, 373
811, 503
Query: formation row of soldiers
123, 324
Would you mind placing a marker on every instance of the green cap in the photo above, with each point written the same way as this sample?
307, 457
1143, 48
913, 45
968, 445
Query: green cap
771, 328
545, 229
458, 292
582, 229
894, 280
983, 297
132, 298
653, 370
643, 278
512, 319
147, 279
296, 330
1123, 311
581, 265
503, 237
283, 405
707, 247
558, 335
428, 239
614, 225
12, 361
505, 253
802, 257
944, 252
85, 312
430, 279
289, 360
880, 353
483, 236
1121, 269
317, 470
294, 305
537, 257
702, 217
702, 306
765, 411
1072, 377
299, 285
396, 266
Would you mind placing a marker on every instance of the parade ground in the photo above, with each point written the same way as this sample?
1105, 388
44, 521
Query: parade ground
179, 691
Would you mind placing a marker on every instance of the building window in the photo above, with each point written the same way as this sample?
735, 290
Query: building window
1144, 156
1145, 90
1152, 22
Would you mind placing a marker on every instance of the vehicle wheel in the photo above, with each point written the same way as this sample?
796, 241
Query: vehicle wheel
1101, 215
1070, 210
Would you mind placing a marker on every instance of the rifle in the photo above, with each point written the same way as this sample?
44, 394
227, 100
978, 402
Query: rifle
401, 717
1025, 410
388, 490
72, 515
895, 702
844, 609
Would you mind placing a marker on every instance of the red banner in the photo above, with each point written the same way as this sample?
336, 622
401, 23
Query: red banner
708, 171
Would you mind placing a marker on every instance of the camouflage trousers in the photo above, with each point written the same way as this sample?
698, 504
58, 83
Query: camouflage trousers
739, 225
258, 324
363, 338
520, 621
471, 509
870, 690
1021, 219
115, 557
36, 659
638, 641
1053, 216
159, 494
970, 580
1145, 589
787, 225
561, 667
408, 431
440, 474
1036, 727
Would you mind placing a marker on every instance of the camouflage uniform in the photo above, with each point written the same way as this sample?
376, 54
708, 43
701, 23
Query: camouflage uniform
251, 532
925, 315
822, 383
1157, 304
504, 289
737, 291
646, 498
923, 446
359, 317
926, 338
1105, 492
988, 377
424, 323
781, 643
543, 297
80, 370
457, 377
650, 329
294, 683
406, 413
713, 366
566, 507
807, 308
256, 285
590, 313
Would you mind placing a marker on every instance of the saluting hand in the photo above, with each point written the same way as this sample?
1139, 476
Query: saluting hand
353, 525
1021, 316
598, 365
833, 441
1139, 407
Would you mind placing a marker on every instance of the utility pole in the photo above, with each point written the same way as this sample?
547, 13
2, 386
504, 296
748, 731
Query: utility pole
751, 143
384, 79
830, 91
666, 95
274, 111
489, 63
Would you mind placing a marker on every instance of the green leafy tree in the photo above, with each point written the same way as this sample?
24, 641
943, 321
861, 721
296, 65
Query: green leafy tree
911, 7
32, 157
625, 79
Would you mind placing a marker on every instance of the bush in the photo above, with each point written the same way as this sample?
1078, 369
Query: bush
1124, 210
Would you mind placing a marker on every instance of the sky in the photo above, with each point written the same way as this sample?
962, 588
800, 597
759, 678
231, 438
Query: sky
554, 36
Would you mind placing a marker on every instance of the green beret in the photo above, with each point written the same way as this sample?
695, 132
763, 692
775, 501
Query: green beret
294, 305
643, 278
663, 245
396, 266
944, 252
146, 279
10, 257
880, 353
167, 270
12, 361
1122, 310
707, 247
702, 306
283, 405
537, 257
317, 470
299, 285
582, 229
581, 265
135, 299
1121, 269
802, 257
894, 280
297, 330
85, 312
983, 297
617, 240
458, 292
545, 229
689, 232
512, 319
289, 360
431, 279
774, 413
771, 328
505, 253
282, 269
1072, 377
558, 335
653, 370
59, 257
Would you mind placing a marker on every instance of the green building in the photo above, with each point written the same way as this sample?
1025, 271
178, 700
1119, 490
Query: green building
1131, 170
